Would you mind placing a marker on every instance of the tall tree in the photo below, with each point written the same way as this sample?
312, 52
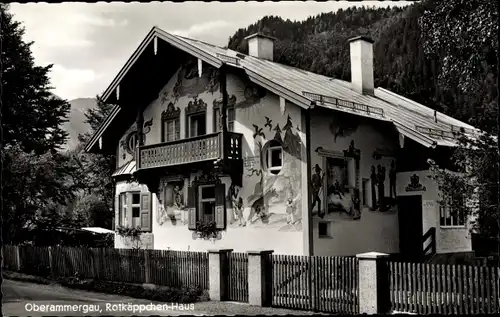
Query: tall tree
464, 36
94, 173
35, 176
32, 116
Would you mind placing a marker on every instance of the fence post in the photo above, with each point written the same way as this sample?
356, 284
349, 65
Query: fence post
218, 275
260, 275
18, 258
147, 267
50, 262
373, 283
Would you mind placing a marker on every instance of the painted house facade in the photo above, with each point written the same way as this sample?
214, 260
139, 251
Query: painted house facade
271, 156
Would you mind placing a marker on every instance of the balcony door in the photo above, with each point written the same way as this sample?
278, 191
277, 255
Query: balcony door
197, 124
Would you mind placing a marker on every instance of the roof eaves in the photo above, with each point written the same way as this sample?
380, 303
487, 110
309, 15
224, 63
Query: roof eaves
102, 128
169, 38
131, 61
414, 135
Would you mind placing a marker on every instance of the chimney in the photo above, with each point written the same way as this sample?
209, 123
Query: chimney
361, 48
261, 46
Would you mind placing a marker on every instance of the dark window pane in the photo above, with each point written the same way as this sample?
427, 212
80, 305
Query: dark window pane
207, 192
136, 199
276, 157
323, 229
136, 212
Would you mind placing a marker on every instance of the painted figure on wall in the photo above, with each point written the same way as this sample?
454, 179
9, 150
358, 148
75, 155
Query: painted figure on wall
392, 180
381, 187
316, 185
290, 208
237, 205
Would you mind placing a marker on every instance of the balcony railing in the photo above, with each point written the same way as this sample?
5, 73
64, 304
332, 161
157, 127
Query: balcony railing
191, 150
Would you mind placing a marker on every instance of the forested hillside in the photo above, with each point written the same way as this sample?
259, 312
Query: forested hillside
320, 45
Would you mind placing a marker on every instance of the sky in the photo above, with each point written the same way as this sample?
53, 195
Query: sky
88, 43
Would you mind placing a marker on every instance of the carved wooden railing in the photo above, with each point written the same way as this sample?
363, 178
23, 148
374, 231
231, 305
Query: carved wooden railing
430, 236
190, 150
233, 146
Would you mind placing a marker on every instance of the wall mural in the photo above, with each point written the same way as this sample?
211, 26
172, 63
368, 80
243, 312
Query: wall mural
343, 125
414, 184
341, 182
171, 203
127, 143
380, 202
190, 84
276, 198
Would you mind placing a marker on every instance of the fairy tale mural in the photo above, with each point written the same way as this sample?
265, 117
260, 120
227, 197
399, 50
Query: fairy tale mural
344, 181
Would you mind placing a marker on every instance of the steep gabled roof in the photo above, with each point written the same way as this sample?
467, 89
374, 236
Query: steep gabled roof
413, 120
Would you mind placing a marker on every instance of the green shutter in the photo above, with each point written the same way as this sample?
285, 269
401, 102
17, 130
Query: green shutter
220, 206
146, 211
191, 205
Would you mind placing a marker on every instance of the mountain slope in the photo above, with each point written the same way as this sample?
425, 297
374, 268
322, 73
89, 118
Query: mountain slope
76, 124
319, 44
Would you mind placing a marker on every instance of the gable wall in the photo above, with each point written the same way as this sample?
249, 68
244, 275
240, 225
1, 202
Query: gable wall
260, 187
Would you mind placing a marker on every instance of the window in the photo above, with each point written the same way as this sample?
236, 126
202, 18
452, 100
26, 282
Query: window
230, 119
450, 217
197, 124
171, 130
274, 157
131, 142
170, 124
207, 203
324, 229
134, 210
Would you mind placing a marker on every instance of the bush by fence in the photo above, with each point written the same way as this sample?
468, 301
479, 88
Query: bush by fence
164, 268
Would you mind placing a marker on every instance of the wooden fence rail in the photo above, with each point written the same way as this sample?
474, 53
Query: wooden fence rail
425, 288
238, 277
166, 268
327, 284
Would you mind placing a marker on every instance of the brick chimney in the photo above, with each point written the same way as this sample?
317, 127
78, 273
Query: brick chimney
261, 46
361, 48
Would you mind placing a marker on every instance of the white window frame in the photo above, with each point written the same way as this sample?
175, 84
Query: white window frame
202, 200
270, 151
176, 122
132, 206
445, 209
122, 211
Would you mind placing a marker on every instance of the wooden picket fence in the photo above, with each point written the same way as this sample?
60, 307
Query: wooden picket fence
167, 268
327, 284
425, 288
238, 277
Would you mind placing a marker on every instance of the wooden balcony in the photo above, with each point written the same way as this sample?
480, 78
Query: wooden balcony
205, 148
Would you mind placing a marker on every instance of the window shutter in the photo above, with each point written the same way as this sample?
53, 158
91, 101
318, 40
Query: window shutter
146, 211
220, 206
191, 205
118, 212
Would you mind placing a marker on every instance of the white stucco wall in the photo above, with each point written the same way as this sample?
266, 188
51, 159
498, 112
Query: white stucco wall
277, 235
447, 239
374, 231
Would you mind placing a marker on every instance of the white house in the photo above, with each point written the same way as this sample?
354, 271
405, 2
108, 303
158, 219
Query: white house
299, 163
